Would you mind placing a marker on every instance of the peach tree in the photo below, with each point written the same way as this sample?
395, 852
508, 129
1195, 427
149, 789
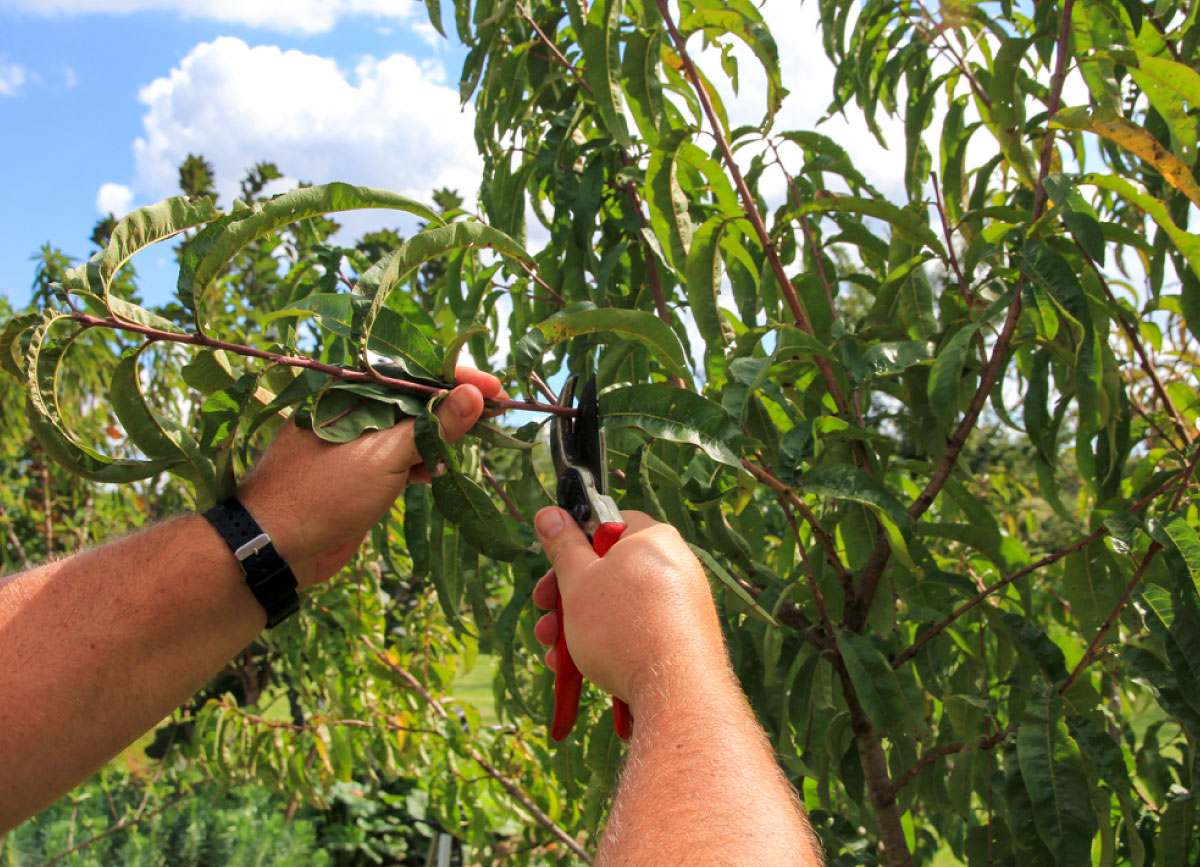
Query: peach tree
935, 450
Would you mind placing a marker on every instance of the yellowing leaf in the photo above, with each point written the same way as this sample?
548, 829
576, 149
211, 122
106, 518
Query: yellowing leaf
1135, 140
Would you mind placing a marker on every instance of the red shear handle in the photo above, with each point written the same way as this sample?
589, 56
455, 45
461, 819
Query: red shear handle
568, 682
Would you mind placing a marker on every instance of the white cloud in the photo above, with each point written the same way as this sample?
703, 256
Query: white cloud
290, 16
70, 76
12, 76
388, 123
114, 199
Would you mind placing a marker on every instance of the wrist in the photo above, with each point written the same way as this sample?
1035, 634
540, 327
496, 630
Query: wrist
681, 682
267, 574
284, 531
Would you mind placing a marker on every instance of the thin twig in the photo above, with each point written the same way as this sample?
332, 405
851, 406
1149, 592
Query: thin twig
823, 538
13, 538
984, 742
517, 794
750, 210
536, 278
1136, 341
540, 385
558, 55
1153, 549
501, 493
1077, 545
120, 826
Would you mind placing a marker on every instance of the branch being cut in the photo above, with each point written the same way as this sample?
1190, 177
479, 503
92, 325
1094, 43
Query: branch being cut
342, 373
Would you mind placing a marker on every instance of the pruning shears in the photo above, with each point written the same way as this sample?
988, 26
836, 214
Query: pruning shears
577, 449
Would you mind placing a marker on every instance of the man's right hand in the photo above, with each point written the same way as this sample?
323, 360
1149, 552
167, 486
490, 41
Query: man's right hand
641, 619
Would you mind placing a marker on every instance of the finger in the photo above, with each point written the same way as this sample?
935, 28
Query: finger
488, 385
492, 413
545, 592
457, 413
564, 543
552, 659
546, 629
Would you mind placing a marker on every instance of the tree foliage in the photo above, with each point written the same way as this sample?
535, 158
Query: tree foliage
936, 453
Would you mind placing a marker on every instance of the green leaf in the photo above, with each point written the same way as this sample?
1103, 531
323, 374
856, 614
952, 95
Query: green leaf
1176, 830
1187, 542
742, 19
209, 371
291, 207
434, 8
676, 415
875, 683
432, 244
45, 418
846, 482
1055, 780
638, 325
732, 584
904, 221
643, 88
450, 361
889, 357
393, 336
601, 45
341, 415
1172, 88
143, 227
156, 435
703, 276
459, 499
1187, 243
667, 202
12, 354
828, 155
946, 373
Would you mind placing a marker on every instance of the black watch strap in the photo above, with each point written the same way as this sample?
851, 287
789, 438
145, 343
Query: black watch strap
268, 575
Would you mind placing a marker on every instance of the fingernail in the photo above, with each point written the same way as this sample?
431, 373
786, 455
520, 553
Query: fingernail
549, 523
461, 404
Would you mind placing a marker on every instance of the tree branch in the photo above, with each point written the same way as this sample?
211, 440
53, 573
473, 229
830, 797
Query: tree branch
823, 538
856, 615
880, 789
1138, 347
1154, 548
501, 493
749, 207
488, 768
1078, 545
984, 742
342, 373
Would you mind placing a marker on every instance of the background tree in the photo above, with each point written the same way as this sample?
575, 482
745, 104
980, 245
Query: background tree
937, 454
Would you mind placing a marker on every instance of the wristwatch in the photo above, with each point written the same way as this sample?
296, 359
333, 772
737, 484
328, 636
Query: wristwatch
267, 574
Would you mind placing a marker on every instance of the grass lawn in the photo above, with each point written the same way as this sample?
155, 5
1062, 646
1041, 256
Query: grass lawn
475, 689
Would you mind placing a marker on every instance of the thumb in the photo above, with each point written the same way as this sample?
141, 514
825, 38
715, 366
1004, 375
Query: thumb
565, 544
456, 414
460, 411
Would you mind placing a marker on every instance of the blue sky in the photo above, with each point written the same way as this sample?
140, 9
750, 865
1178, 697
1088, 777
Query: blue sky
72, 106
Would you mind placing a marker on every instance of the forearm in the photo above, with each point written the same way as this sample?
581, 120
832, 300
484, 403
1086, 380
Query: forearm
96, 649
701, 785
